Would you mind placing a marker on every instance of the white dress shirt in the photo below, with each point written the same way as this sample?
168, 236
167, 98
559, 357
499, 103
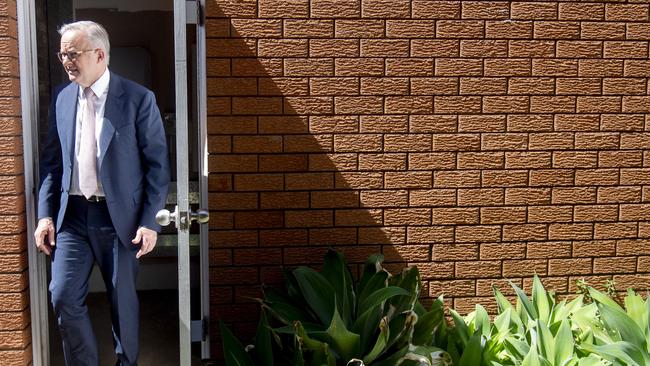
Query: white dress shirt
100, 88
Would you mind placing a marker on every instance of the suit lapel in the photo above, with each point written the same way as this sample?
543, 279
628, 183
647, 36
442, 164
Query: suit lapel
66, 112
112, 113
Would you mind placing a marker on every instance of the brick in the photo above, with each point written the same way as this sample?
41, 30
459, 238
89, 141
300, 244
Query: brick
615, 265
257, 144
431, 161
552, 177
478, 269
384, 198
359, 67
507, 67
435, 270
232, 163
529, 123
283, 48
638, 31
309, 67
456, 104
358, 143
281, 86
258, 220
528, 86
626, 12
258, 182
430, 197
490, 251
480, 197
594, 248
528, 196
458, 67
532, 10
390, 161
406, 180
281, 9
617, 230
333, 162
409, 253
581, 11
434, 48
602, 31
460, 28
359, 28
524, 232
436, 10
407, 216
256, 67
639, 140
578, 86
334, 48
600, 68
622, 122
482, 233
433, 86
334, 199
454, 252
456, 179
625, 49
508, 29
592, 213
231, 8
548, 214
483, 48
384, 86
632, 176
331, 124
554, 67
575, 159
484, 160
334, 86
524, 268
556, 30
308, 219
359, 180
552, 104
384, 48
358, 105
507, 141
455, 216
619, 194
432, 123
504, 178
633, 104
407, 142
502, 215
636, 68
519, 160
283, 163
482, 86
624, 86
385, 8
410, 28
335, 9
573, 195
256, 105
505, 104
256, 28
618, 159
430, 234
382, 235
481, 123
606, 177
456, 142
409, 67
452, 288
570, 231
408, 105
634, 212
564, 267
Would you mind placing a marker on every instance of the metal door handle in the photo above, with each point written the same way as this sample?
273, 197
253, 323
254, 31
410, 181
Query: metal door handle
164, 217
202, 216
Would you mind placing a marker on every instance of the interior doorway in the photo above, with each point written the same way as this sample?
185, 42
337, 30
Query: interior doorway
142, 49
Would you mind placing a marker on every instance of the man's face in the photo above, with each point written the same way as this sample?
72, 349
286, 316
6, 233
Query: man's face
82, 68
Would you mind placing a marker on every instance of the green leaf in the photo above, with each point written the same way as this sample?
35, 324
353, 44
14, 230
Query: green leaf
501, 300
263, 347
563, 343
525, 302
472, 353
635, 308
482, 320
381, 295
615, 318
429, 325
409, 280
380, 345
320, 353
541, 301
621, 351
372, 266
460, 329
344, 342
336, 271
532, 358
233, 351
318, 293
545, 341
376, 282
284, 309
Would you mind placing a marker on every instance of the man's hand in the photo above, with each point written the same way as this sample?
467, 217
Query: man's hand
148, 238
44, 235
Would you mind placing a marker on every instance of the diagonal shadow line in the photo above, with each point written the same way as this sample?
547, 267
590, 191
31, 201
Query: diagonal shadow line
283, 186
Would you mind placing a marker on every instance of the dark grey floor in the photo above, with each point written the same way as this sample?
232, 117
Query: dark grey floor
158, 330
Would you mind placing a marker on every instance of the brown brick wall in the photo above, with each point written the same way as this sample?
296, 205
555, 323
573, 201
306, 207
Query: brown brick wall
480, 140
15, 332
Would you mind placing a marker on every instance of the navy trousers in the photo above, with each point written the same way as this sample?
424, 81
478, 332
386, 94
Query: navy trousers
87, 236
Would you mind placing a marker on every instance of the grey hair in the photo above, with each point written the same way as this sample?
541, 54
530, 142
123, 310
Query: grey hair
95, 32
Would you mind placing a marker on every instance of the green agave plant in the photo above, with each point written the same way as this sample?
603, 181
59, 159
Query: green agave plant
325, 318
535, 331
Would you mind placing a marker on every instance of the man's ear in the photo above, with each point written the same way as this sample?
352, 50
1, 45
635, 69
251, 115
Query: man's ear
101, 55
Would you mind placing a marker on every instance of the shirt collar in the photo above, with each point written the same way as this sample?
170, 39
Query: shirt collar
100, 86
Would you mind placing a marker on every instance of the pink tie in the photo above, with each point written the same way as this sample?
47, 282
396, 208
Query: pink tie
88, 148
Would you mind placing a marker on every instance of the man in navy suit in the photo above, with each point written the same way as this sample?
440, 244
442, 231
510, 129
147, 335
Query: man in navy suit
104, 175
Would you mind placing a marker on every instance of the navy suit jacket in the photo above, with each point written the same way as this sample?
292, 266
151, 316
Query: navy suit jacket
133, 159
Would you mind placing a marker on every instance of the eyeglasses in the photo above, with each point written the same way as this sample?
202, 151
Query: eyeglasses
72, 55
